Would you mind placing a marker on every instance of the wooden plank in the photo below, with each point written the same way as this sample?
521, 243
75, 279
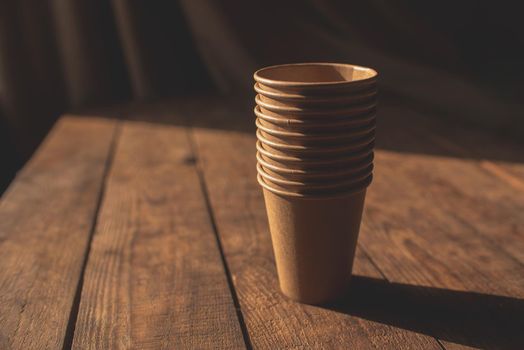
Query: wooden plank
437, 221
228, 162
45, 223
414, 241
154, 277
500, 155
487, 205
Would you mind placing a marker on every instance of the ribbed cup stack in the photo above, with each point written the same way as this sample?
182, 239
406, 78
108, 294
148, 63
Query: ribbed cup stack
316, 131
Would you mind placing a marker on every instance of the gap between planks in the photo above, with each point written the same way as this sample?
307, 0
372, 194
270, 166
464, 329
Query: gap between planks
133, 236
205, 193
73, 315
46, 214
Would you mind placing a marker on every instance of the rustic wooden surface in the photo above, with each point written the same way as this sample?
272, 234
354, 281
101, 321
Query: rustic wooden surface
46, 219
154, 277
145, 228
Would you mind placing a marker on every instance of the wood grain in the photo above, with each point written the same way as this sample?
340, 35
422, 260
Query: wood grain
499, 154
437, 220
155, 279
460, 186
45, 223
272, 320
415, 240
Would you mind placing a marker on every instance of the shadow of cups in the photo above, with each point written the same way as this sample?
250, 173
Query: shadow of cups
468, 318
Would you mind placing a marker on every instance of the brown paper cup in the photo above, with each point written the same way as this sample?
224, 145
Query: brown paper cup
314, 175
315, 186
304, 184
312, 129
315, 78
319, 93
300, 101
353, 111
316, 125
315, 150
314, 241
324, 139
319, 161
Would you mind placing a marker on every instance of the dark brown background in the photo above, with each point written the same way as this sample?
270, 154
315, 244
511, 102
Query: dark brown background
460, 60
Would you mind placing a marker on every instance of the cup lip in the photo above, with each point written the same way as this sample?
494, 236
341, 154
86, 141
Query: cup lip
362, 142
319, 186
308, 123
361, 165
357, 189
313, 100
283, 83
361, 108
365, 152
361, 131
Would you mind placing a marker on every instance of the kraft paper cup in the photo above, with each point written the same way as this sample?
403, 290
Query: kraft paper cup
318, 93
315, 186
332, 164
301, 101
325, 151
305, 125
314, 241
313, 164
314, 128
310, 183
353, 111
318, 139
330, 192
314, 175
315, 78
314, 153
349, 137
319, 116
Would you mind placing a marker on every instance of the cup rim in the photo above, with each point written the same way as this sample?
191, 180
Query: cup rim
320, 196
360, 166
266, 153
362, 108
362, 142
320, 186
312, 100
258, 75
364, 130
308, 123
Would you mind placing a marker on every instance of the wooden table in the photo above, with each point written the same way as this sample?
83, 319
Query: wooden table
143, 227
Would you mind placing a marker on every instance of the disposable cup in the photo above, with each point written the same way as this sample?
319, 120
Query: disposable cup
310, 180
314, 226
301, 101
347, 112
316, 139
315, 150
314, 175
318, 125
315, 186
316, 161
318, 93
314, 240
315, 78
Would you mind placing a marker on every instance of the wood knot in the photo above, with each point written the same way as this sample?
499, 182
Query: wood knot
190, 160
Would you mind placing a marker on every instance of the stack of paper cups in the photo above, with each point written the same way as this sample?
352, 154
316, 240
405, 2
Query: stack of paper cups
316, 131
